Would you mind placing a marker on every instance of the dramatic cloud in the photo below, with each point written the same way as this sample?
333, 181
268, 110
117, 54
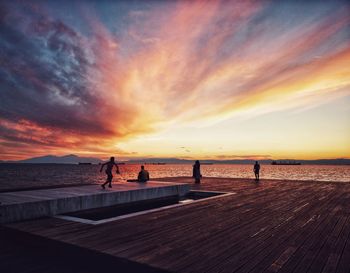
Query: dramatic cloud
105, 72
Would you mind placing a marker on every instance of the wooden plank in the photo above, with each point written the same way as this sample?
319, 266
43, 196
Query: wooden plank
308, 244
269, 250
343, 265
301, 235
241, 247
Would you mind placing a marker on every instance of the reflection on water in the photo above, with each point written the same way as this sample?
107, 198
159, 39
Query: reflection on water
24, 175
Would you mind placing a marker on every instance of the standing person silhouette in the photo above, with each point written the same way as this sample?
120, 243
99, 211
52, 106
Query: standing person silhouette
197, 172
256, 170
110, 165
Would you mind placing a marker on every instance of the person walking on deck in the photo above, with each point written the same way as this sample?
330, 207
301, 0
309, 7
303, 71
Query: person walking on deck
109, 165
256, 170
143, 175
197, 172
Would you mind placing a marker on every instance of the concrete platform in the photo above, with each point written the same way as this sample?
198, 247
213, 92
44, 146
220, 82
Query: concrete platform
24, 205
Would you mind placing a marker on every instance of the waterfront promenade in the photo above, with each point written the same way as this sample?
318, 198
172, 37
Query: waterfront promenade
272, 226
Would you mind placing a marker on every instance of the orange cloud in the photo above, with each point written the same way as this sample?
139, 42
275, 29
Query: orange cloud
176, 62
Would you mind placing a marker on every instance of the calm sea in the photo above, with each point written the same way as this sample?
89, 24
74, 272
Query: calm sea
28, 175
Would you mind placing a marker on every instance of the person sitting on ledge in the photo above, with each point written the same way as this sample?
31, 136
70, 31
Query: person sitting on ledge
143, 175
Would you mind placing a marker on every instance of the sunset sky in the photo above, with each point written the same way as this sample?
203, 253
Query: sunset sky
186, 79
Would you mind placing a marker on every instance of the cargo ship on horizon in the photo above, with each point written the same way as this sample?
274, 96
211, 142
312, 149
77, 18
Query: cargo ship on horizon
285, 163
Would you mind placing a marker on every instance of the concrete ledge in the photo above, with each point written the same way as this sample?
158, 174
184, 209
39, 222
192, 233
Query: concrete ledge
25, 205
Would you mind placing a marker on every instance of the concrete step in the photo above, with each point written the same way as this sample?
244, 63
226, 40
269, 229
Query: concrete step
24, 205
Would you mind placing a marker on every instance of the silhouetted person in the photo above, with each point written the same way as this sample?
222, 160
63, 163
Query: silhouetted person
143, 175
109, 165
256, 170
197, 172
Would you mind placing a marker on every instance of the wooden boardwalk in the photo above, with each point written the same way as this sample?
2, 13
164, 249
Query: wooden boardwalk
273, 226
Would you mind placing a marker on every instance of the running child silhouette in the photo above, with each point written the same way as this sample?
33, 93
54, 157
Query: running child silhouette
109, 165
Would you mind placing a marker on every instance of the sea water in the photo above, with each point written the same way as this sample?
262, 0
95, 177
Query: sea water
29, 175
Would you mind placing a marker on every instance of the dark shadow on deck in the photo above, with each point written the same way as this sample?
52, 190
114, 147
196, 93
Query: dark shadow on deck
23, 252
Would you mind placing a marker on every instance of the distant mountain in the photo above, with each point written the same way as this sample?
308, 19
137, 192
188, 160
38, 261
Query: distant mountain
67, 159
74, 159
337, 161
